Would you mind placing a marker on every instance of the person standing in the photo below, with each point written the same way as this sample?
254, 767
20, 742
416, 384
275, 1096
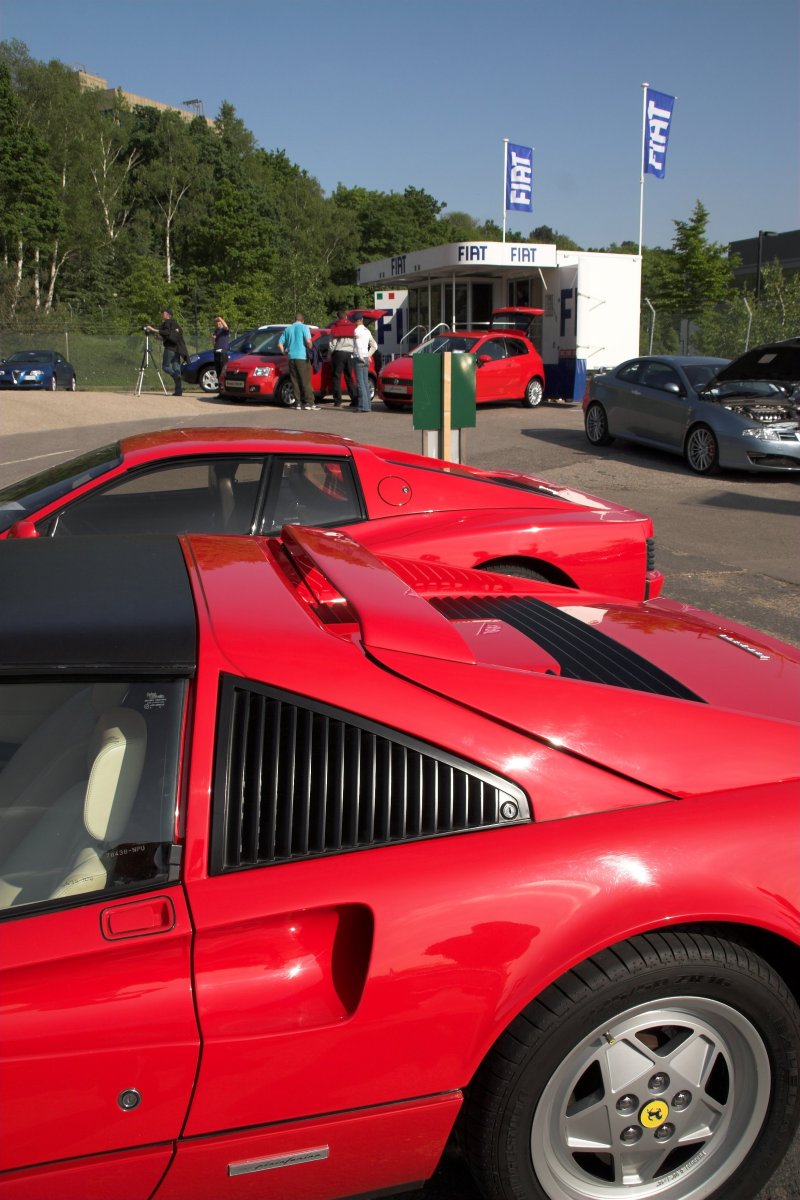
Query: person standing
295, 343
222, 344
175, 350
364, 346
341, 344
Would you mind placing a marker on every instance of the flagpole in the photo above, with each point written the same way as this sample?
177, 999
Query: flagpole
505, 175
645, 86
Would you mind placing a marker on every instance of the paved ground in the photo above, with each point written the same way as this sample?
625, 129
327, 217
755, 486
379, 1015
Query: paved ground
728, 543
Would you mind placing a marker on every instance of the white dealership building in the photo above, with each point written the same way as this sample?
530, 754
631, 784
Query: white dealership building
590, 301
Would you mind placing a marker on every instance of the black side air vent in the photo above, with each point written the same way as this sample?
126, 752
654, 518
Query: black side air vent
296, 780
581, 651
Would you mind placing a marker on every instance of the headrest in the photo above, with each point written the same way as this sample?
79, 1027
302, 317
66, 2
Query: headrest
116, 758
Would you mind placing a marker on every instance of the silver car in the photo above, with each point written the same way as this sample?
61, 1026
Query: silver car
676, 403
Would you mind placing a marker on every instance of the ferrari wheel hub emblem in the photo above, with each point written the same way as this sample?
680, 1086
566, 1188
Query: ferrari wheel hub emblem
654, 1114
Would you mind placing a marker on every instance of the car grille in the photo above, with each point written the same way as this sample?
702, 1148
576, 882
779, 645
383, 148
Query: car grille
297, 780
581, 651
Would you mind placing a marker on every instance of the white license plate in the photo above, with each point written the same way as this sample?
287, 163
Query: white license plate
234, 383
392, 390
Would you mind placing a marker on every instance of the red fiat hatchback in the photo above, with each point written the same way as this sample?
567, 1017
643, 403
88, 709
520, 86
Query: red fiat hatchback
509, 366
232, 480
313, 865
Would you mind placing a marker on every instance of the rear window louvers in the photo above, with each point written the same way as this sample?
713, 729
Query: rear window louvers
581, 651
296, 780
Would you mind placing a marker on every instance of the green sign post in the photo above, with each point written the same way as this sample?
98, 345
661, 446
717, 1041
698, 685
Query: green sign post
444, 402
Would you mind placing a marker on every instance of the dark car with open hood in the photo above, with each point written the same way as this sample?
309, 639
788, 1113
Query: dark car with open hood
742, 415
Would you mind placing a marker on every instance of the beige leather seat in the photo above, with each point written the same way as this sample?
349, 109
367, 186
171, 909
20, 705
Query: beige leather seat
63, 854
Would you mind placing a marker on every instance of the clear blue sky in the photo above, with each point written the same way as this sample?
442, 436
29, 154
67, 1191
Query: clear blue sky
435, 85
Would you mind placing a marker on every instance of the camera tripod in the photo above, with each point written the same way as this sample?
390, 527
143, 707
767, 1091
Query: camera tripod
147, 361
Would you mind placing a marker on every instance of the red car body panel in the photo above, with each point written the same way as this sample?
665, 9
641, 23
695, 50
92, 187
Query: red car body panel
421, 508
335, 1008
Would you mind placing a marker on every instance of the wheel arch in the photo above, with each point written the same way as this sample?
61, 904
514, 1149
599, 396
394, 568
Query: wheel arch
549, 570
776, 950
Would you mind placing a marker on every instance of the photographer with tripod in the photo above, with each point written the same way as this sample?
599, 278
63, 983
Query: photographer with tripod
175, 351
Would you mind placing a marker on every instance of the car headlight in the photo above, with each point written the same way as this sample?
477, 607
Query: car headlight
264, 371
192, 359
763, 433
35, 374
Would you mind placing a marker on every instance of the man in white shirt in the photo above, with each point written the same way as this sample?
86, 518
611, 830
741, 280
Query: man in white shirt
364, 346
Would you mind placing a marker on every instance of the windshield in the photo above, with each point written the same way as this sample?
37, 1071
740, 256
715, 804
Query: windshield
31, 356
699, 374
449, 343
267, 343
19, 500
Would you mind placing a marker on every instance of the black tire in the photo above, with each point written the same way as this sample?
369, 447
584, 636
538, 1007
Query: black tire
73, 383
518, 570
701, 450
208, 379
53, 382
669, 1004
595, 425
534, 393
284, 392
373, 388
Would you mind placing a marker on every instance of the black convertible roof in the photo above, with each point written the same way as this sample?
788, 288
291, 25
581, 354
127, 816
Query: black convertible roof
96, 605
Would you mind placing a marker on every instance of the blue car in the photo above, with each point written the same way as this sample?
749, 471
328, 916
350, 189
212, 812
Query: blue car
37, 369
201, 368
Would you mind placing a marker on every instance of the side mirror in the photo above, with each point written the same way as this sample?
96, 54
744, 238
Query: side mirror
23, 529
676, 389
247, 347
483, 359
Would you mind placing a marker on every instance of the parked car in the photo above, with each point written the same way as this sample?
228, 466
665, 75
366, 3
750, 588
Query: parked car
233, 480
202, 369
264, 373
37, 369
307, 856
508, 365
694, 407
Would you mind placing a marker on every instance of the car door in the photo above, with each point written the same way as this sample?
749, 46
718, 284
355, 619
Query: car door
518, 368
663, 410
491, 377
98, 1037
311, 998
216, 494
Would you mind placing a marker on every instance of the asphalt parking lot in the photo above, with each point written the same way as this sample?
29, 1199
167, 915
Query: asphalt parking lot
728, 543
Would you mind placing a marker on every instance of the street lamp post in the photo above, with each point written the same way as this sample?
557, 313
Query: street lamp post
762, 233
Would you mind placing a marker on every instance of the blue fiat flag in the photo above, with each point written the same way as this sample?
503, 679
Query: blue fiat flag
519, 178
658, 116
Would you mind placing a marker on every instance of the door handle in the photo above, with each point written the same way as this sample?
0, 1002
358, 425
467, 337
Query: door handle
142, 918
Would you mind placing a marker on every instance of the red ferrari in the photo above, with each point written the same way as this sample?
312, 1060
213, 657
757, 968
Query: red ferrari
254, 481
508, 364
313, 865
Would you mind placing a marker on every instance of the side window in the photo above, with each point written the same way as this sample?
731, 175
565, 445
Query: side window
295, 780
88, 788
656, 375
494, 347
202, 496
515, 347
630, 371
311, 491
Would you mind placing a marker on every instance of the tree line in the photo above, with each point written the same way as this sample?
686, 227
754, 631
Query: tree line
106, 217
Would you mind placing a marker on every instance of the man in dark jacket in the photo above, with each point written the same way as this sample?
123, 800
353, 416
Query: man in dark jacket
175, 350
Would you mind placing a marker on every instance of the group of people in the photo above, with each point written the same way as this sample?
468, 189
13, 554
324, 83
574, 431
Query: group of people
351, 348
